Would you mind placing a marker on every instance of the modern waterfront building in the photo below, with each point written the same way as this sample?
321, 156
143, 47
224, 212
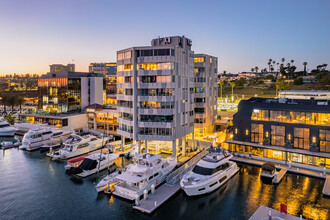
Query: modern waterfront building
283, 129
109, 71
206, 93
155, 93
64, 94
102, 119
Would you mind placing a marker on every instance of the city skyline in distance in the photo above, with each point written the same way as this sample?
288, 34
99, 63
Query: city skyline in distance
241, 34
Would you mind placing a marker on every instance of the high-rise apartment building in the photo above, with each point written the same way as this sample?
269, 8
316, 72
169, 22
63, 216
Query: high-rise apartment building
155, 93
206, 93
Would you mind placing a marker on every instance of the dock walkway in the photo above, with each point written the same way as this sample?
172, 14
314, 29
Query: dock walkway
162, 194
262, 213
280, 175
296, 170
326, 188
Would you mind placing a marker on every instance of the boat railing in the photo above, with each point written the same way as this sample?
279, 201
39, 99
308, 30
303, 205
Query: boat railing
177, 175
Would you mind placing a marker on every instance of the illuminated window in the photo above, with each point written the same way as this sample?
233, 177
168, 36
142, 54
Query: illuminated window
125, 55
301, 138
257, 131
324, 140
278, 135
199, 59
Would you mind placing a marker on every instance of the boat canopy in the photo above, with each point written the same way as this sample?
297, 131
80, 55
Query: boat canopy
268, 166
76, 159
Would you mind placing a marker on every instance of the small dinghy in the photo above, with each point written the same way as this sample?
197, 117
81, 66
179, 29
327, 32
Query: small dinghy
267, 170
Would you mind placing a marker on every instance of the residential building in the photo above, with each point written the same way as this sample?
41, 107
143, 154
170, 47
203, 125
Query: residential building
283, 129
155, 93
206, 93
305, 94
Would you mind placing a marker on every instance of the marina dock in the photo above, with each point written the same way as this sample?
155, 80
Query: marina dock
326, 188
280, 175
170, 188
296, 170
262, 213
161, 195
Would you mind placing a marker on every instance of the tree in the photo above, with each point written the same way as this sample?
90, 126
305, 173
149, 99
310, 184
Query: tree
256, 68
280, 85
4, 102
20, 101
298, 81
283, 60
232, 84
305, 64
221, 83
10, 119
252, 69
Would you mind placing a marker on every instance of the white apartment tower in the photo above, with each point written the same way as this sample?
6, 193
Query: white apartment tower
155, 93
206, 93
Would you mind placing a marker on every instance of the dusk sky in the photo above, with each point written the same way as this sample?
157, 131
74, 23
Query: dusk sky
241, 33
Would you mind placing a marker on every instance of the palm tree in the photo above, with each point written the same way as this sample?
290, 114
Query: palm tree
269, 63
283, 60
20, 101
4, 102
232, 84
221, 83
252, 69
256, 68
305, 64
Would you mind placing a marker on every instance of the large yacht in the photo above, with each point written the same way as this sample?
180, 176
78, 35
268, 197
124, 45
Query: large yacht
146, 170
77, 145
211, 172
34, 139
94, 163
6, 129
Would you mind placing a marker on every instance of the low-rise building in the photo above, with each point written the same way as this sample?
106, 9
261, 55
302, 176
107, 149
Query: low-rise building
283, 129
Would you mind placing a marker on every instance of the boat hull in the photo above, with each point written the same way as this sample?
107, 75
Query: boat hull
210, 184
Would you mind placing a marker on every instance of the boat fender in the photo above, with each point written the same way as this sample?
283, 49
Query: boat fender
226, 154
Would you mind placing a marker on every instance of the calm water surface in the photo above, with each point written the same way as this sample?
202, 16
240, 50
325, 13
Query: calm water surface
34, 187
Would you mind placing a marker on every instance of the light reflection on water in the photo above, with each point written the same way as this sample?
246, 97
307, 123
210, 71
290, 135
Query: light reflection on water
33, 187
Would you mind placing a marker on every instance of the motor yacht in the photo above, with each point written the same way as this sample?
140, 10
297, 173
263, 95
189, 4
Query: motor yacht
210, 173
146, 170
77, 145
107, 181
35, 139
6, 129
94, 163
268, 170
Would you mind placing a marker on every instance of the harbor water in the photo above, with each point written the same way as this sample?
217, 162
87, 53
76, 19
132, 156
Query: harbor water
34, 187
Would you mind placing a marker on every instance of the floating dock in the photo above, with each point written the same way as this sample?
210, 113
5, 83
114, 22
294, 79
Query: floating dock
161, 195
262, 213
326, 187
280, 175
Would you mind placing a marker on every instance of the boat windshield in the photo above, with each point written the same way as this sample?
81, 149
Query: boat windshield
209, 171
4, 125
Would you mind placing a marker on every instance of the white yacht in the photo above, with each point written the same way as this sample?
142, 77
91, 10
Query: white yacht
146, 170
94, 163
34, 139
56, 140
77, 145
6, 129
211, 172
109, 180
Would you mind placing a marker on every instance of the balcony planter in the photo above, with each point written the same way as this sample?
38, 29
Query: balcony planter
313, 147
266, 141
288, 145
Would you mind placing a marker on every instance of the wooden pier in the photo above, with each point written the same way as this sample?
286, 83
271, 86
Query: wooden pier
161, 195
326, 187
280, 175
262, 213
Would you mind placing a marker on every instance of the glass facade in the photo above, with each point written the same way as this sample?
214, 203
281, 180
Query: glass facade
325, 141
74, 95
257, 131
301, 138
278, 135
292, 117
53, 97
